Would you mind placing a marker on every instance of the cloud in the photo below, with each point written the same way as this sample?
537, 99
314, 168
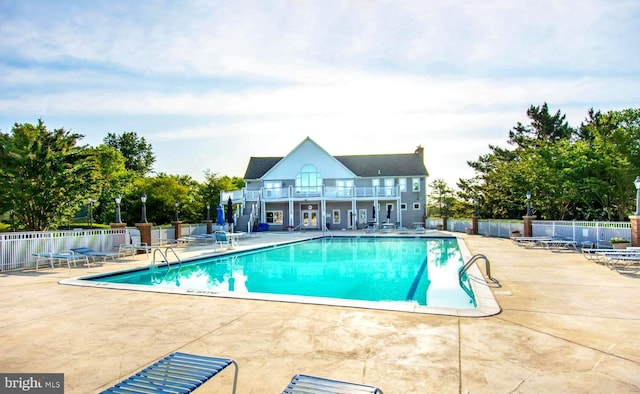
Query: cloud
358, 77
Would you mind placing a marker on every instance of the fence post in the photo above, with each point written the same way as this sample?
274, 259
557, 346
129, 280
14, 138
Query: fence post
635, 230
474, 224
528, 225
177, 229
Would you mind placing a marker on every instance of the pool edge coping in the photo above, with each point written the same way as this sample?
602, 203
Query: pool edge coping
486, 304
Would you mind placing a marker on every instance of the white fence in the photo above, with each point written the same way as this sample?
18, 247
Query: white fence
598, 233
17, 249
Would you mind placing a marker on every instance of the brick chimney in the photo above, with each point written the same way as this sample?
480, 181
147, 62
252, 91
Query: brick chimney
420, 151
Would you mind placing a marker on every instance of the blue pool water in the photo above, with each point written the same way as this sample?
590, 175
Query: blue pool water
422, 271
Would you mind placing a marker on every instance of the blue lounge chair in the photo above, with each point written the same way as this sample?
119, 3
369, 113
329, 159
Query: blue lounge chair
176, 373
93, 254
68, 257
312, 384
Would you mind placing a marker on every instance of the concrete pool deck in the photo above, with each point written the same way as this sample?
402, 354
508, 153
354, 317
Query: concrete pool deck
567, 325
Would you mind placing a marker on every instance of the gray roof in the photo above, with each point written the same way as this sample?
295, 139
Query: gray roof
406, 164
409, 164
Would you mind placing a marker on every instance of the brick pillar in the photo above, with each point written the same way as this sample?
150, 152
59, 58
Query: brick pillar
474, 225
118, 225
177, 229
635, 230
528, 225
145, 232
444, 222
209, 226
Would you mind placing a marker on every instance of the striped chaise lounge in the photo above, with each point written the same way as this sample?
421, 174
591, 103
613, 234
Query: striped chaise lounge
175, 373
313, 384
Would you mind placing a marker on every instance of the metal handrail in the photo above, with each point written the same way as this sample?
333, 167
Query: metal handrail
164, 256
472, 260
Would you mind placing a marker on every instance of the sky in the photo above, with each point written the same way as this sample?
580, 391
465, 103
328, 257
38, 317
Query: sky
211, 83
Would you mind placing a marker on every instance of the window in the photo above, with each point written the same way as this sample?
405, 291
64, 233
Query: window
416, 206
415, 185
308, 180
344, 187
275, 217
403, 184
403, 206
362, 216
336, 216
390, 186
272, 189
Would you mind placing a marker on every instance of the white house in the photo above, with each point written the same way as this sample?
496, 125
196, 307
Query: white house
311, 189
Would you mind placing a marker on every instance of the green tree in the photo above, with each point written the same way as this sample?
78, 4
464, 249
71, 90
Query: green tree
45, 174
114, 180
614, 140
138, 154
163, 191
583, 173
441, 198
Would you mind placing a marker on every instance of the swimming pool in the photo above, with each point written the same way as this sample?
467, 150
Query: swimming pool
395, 273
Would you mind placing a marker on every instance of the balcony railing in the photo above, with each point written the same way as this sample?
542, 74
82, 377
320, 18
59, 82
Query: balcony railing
332, 192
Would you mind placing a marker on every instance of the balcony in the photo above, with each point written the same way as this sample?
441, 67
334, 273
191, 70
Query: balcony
327, 192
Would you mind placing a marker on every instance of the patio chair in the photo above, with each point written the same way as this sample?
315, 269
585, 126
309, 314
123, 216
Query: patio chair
314, 384
176, 373
371, 227
94, 254
222, 239
135, 245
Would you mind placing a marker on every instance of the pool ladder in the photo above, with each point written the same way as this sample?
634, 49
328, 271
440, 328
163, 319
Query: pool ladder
164, 256
473, 260
166, 260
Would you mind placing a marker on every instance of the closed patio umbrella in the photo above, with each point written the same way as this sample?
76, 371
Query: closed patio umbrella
373, 212
388, 212
220, 214
230, 214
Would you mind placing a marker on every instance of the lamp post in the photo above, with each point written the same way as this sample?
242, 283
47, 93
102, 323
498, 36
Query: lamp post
91, 201
637, 183
475, 208
11, 215
175, 218
118, 200
529, 213
208, 211
143, 198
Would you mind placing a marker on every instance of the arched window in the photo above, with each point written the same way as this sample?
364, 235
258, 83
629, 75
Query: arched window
308, 180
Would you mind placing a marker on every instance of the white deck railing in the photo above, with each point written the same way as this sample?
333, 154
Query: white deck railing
329, 192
